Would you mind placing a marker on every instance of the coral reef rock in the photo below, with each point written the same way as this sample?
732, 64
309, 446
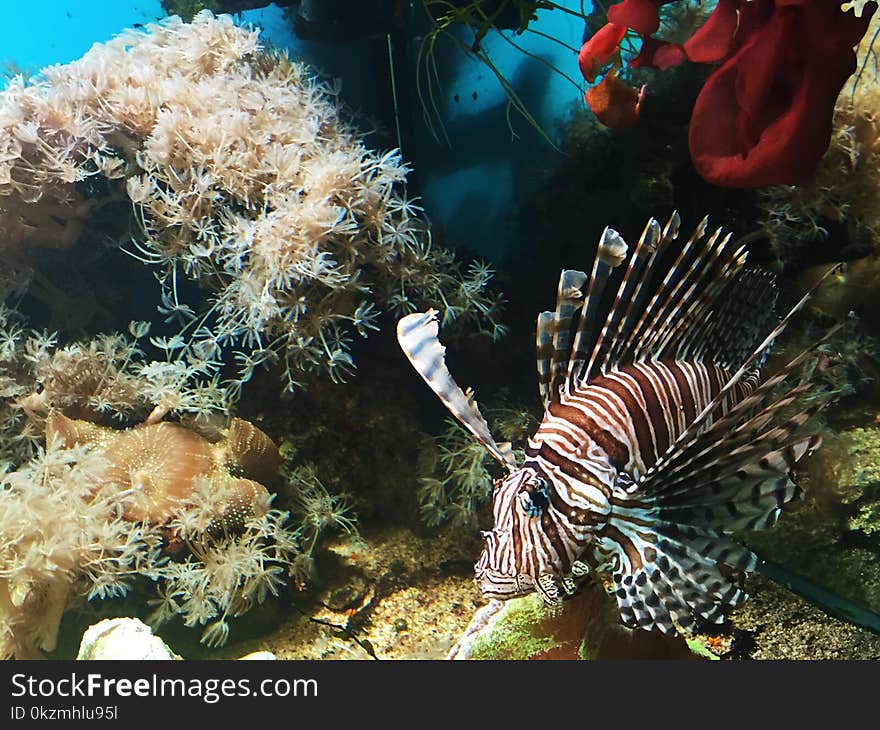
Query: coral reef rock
122, 638
130, 638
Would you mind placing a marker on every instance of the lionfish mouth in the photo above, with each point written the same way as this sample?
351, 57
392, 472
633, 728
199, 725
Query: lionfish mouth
493, 584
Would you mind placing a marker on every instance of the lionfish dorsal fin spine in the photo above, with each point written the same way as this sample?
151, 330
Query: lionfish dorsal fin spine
627, 339
569, 298
698, 445
673, 303
649, 244
651, 314
682, 448
670, 230
699, 291
610, 254
709, 339
690, 332
643, 250
417, 334
689, 260
544, 346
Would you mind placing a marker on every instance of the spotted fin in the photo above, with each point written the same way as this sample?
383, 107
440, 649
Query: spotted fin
670, 554
418, 337
669, 578
668, 541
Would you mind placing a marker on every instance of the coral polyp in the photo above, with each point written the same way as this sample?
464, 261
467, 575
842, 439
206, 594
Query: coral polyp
185, 509
158, 465
244, 175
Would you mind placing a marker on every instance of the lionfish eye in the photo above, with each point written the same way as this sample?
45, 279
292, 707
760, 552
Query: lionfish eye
534, 497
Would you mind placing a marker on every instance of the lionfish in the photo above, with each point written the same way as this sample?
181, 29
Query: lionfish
659, 437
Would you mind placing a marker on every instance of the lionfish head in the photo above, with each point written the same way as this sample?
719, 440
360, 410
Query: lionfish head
517, 550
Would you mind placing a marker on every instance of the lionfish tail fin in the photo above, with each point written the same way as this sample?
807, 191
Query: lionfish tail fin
418, 337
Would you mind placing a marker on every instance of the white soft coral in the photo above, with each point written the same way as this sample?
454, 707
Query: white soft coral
242, 173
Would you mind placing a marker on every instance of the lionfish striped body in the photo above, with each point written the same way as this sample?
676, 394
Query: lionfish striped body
659, 436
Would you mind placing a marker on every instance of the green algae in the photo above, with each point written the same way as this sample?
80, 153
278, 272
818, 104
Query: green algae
518, 632
585, 628
831, 536
862, 467
867, 518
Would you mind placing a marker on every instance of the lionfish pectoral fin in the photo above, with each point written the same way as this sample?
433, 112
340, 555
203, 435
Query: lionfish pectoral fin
671, 554
667, 575
417, 334
669, 541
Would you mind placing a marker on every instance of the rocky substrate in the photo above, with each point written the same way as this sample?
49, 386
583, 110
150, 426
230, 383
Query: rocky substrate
776, 624
398, 595
393, 595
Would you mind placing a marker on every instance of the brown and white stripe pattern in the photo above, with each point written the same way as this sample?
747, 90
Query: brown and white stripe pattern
659, 437
417, 335
638, 410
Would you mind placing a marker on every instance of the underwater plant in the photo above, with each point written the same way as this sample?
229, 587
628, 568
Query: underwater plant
458, 472
87, 517
243, 176
483, 16
123, 510
466, 24
764, 116
660, 437
20, 347
109, 376
317, 511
